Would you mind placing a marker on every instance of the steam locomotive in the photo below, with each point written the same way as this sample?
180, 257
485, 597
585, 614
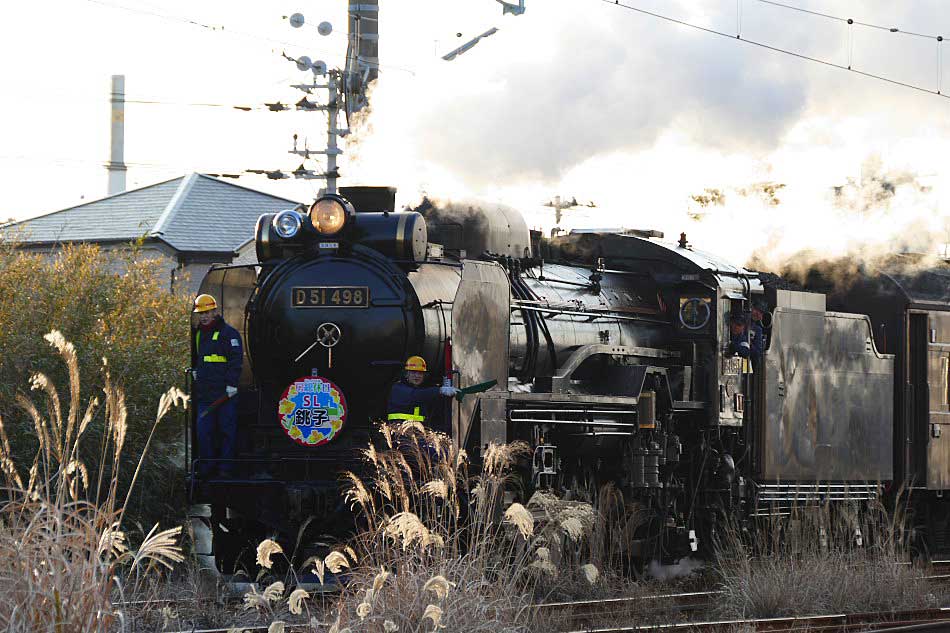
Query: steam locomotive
610, 354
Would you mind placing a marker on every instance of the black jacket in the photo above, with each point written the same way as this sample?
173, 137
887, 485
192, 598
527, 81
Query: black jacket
218, 359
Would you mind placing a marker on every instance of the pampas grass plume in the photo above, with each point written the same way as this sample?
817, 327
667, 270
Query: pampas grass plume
265, 550
254, 600
336, 561
520, 517
439, 586
161, 547
437, 488
411, 425
363, 610
295, 601
573, 528
406, 528
274, 591
590, 572
380, 579
319, 569
434, 613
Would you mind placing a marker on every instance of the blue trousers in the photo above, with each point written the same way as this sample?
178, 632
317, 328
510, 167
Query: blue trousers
217, 437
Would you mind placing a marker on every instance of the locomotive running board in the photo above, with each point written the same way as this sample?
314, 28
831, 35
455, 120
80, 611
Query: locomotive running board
779, 498
498, 409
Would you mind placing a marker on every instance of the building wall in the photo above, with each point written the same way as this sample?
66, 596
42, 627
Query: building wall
173, 271
246, 253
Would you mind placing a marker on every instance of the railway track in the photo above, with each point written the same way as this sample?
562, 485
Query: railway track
922, 619
671, 612
676, 611
659, 605
831, 623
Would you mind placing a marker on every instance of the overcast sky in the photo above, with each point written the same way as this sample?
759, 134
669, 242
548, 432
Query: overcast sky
575, 97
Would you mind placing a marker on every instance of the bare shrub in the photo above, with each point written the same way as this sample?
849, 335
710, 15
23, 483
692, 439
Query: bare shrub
64, 555
820, 559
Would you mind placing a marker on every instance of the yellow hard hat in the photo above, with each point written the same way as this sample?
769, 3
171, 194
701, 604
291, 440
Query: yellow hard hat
415, 363
204, 303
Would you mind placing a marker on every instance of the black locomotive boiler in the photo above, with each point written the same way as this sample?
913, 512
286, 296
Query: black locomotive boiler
610, 354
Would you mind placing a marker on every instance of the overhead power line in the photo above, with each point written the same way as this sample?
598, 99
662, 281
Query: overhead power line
301, 172
277, 106
302, 105
85, 163
850, 21
777, 49
202, 105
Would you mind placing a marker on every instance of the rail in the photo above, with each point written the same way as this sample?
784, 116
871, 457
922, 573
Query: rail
837, 623
584, 612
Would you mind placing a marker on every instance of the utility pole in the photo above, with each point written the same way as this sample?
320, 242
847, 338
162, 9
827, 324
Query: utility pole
362, 53
332, 107
333, 110
116, 165
346, 90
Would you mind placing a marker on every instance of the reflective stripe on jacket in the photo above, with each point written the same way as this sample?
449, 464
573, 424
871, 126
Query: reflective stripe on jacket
411, 403
219, 356
416, 415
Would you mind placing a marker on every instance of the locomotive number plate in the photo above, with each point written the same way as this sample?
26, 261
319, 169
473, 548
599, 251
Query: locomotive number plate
330, 297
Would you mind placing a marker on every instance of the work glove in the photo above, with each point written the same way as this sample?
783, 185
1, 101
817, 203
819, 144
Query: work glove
446, 382
231, 391
448, 392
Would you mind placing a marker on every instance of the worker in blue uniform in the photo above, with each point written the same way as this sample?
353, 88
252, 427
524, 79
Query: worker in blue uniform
745, 341
218, 360
410, 401
763, 318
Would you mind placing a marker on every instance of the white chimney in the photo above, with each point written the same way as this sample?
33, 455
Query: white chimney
116, 166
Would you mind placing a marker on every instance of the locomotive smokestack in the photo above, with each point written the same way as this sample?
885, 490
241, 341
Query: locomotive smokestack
370, 199
116, 166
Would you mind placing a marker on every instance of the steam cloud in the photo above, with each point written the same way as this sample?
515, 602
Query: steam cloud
756, 156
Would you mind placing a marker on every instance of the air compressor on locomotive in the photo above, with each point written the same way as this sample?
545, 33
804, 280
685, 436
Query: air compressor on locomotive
610, 352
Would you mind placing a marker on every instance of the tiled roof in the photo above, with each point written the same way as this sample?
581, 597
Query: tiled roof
190, 213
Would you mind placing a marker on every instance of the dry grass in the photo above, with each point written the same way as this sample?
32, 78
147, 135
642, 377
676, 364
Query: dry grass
440, 548
437, 549
429, 554
813, 561
64, 556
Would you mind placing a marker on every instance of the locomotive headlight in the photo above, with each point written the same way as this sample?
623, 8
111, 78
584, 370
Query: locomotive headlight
287, 224
328, 216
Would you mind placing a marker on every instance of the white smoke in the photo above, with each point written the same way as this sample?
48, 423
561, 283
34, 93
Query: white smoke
584, 99
683, 567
